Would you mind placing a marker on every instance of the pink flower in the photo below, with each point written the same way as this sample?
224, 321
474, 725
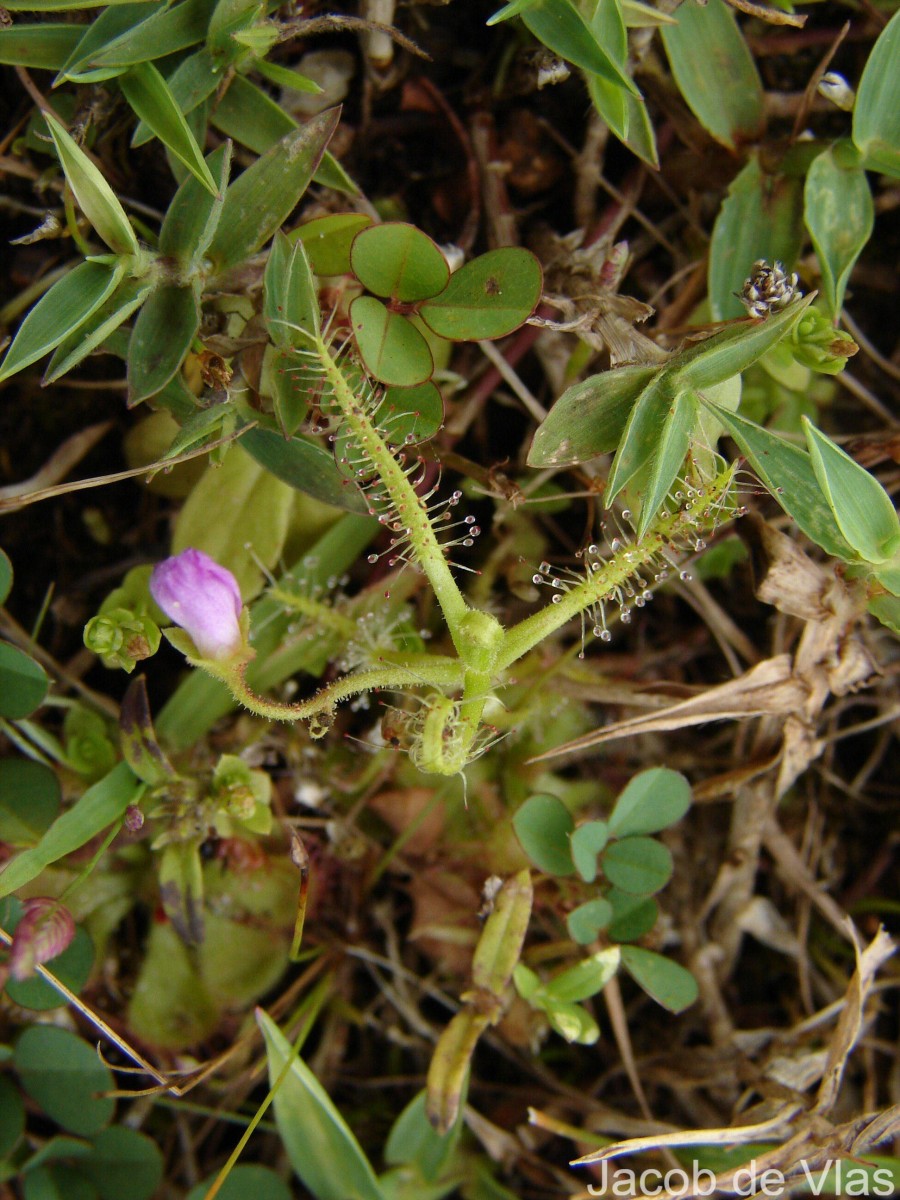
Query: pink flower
43, 932
203, 598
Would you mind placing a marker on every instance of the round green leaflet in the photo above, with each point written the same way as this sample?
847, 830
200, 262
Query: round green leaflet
391, 347
639, 865
63, 1075
23, 683
398, 261
12, 1116
125, 1165
489, 297
410, 415
246, 1179
29, 800
544, 825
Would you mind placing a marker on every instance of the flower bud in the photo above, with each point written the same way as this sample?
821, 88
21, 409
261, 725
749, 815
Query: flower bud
134, 818
203, 598
121, 637
45, 929
818, 345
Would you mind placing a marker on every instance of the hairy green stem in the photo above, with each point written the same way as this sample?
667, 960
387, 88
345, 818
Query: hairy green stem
600, 585
437, 672
410, 510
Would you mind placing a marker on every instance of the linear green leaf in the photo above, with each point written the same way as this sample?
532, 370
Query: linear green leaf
172, 28
263, 197
675, 434
193, 80
193, 216
638, 447
862, 508
840, 216
726, 354
60, 312
95, 197
290, 296
94, 812
562, 29
876, 114
787, 472
162, 336
715, 71
322, 1149
44, 47
148, 94
589, 417
110, 25
129, 296
252, 118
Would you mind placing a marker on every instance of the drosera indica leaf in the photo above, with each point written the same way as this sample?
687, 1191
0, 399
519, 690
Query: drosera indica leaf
399, 261
488, 297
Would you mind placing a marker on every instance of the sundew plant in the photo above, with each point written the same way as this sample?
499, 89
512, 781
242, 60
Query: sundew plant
450, 587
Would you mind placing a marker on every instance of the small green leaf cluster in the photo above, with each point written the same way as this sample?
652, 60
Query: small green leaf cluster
206, 50
836, 502
652, 416
632, 865
411, 286
88, 1157
205, 234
